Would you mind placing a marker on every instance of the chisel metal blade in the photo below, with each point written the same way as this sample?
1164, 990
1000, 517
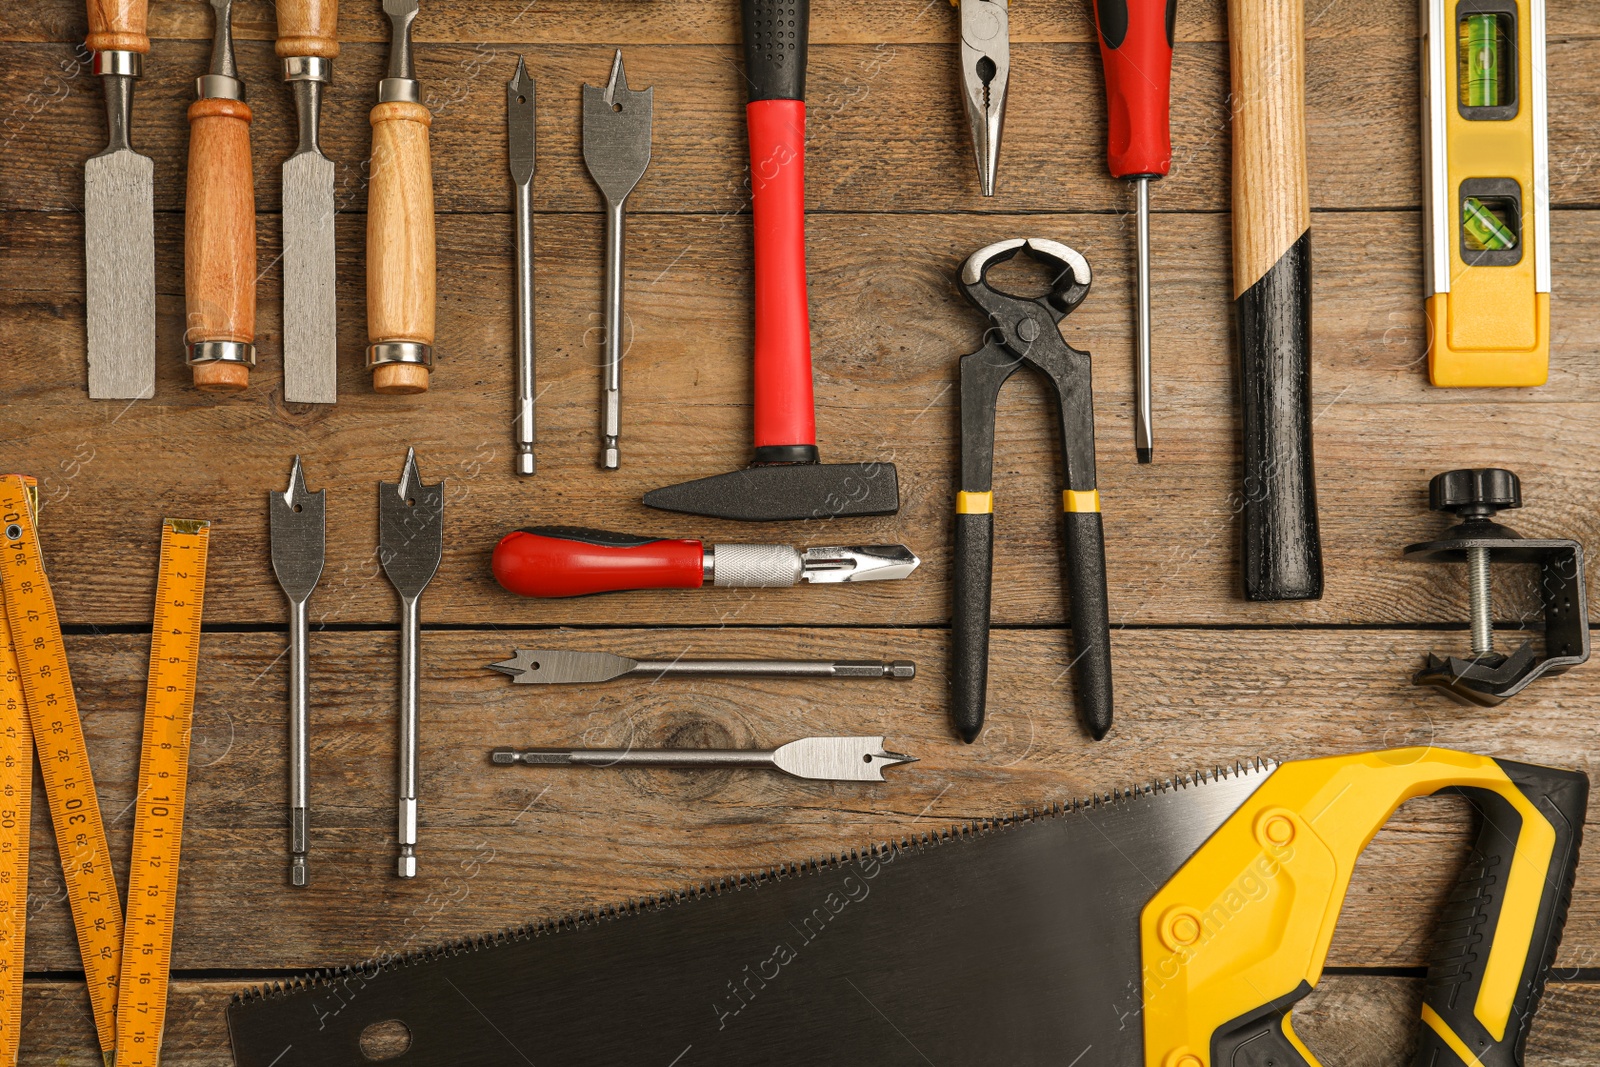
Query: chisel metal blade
120, 255
310, 321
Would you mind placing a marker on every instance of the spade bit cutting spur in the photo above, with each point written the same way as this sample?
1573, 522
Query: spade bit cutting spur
410, 545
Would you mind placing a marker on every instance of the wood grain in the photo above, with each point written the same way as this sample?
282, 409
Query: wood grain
118, 25
308, 28
400, 240
219, 243
1271, 202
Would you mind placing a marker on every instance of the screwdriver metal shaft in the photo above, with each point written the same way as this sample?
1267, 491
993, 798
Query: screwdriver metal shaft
1143, 438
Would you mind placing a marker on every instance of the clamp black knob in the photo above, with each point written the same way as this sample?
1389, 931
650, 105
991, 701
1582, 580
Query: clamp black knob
1475, 494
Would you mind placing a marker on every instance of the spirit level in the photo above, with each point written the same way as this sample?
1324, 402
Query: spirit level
1486, 192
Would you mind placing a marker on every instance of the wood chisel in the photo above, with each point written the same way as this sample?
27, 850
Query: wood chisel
521, 142
119, 243
566, 667
1486, 192
1282, 546
219, 237
410, 546
616, 149
308, 43
400, 242
559, 561
297, 521
831, 759
1169, 925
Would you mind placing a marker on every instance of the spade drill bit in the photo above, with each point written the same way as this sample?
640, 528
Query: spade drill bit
308, 42
566, 667
834, 759
616, 149
119, 218
410, 545
520, 115
299, 532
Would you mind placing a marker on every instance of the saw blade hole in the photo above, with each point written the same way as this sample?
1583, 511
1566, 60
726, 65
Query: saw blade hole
385, 1040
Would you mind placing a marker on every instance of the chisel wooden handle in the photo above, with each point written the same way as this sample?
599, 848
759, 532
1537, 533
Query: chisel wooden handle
219, 240
308, 28
118, 26
400, 245
1282, 557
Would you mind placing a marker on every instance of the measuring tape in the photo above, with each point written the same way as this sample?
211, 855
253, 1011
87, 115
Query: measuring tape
127, 982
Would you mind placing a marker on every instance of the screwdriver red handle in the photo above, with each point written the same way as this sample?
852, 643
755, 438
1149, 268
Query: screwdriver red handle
775, 33
558, 561
1136, 51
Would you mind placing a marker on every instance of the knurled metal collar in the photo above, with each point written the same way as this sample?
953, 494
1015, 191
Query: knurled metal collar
127, 64
399, 352
219, 87
307, 69
221, 352
404, 90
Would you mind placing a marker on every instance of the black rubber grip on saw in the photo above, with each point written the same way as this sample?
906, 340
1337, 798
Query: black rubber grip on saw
969, 625
1085, 547
1473, 914
1282, 544
775, 33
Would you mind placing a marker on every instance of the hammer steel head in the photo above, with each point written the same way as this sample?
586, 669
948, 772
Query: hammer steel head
783, 492
410, 529
298, 523
616, 133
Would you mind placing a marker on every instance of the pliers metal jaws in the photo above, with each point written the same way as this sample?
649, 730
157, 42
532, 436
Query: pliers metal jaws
985, 71
1025, 330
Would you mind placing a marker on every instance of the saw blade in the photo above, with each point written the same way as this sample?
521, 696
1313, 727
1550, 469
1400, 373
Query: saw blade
310, 312
1013, 941
120, 258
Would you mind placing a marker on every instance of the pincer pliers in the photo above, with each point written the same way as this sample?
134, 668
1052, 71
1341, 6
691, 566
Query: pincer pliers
1026, 331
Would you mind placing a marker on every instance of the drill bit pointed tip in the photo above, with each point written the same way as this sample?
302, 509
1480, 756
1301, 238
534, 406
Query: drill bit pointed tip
619, 79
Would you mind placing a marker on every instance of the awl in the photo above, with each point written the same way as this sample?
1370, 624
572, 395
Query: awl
219, 237
564, 667
410, 546
521, 140
400, 243
119, 242
297, 520
616, 149
832, 759
557, 561
308, 42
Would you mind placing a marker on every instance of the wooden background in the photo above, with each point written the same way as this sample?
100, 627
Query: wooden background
1202, 677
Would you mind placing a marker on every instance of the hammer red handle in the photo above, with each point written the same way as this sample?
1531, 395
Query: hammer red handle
1136, 51
558, 561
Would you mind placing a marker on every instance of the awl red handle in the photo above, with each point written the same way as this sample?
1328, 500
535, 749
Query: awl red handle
1136, 50
775, 69
558, 561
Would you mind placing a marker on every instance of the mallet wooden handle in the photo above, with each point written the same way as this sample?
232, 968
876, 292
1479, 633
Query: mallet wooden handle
400, 243
118, 26
219, 240
1282, 553
308, 28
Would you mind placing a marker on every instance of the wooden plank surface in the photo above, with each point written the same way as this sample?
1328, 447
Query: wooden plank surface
1202, 677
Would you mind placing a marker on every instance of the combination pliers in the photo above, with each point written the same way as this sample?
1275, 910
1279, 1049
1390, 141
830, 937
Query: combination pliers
1026, 331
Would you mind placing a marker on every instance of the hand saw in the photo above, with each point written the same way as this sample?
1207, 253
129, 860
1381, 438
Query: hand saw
1169, 926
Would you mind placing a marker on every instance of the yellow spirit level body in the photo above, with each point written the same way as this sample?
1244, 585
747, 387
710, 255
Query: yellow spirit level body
1486, 192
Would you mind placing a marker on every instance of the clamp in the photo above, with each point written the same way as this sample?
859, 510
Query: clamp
1026, 331
1488, 677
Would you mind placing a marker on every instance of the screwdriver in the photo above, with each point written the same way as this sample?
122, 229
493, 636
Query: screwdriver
1136, 52
560, 561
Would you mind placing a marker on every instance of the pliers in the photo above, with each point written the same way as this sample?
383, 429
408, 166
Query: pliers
1026, 331
985, 70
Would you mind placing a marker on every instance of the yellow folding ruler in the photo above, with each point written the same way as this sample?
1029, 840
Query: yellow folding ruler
126, 974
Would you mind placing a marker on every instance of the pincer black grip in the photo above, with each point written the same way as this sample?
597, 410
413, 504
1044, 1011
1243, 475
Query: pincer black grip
775, 34
1091, 618
969, 627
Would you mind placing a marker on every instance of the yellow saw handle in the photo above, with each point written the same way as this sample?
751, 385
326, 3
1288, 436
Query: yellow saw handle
1241, 932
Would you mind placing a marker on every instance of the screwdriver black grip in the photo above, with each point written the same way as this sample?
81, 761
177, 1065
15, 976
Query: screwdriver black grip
969, 626
1282, 543
775, 33
1091, 618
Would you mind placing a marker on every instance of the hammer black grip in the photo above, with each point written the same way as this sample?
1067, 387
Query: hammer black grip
969, 628
775, 34
1091, 618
